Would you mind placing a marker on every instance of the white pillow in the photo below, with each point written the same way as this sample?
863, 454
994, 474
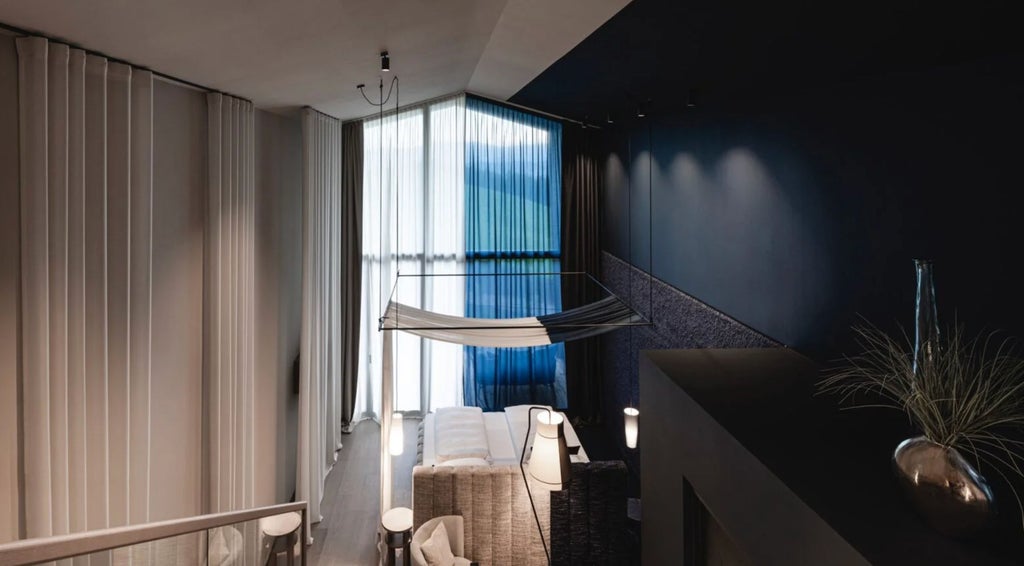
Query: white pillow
437, 550
517, 417
459, 462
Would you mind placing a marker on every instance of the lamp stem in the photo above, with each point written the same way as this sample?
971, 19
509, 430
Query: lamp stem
522, 458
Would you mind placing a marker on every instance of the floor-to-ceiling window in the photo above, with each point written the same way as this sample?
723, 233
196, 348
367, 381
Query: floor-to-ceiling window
412, 196
513, 210
460, 186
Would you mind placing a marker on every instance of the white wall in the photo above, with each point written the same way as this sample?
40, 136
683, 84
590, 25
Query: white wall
179, 189
279, 304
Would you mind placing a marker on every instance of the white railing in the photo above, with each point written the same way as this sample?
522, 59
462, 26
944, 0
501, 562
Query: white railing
46, 549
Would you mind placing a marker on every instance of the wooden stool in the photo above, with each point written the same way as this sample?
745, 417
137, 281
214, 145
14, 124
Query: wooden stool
284, 529
397, 525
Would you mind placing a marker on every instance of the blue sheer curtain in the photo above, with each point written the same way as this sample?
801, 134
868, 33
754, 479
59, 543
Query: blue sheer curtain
512, 213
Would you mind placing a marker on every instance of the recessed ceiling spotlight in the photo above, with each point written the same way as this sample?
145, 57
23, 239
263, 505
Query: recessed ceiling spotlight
385, 62
640, 113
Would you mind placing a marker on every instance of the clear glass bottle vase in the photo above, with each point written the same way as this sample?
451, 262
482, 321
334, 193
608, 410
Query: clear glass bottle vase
926, 319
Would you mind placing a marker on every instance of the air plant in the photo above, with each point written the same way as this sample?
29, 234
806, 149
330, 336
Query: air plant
968, 395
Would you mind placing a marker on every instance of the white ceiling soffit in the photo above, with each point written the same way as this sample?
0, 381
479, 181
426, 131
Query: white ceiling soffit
530, 36
287, 54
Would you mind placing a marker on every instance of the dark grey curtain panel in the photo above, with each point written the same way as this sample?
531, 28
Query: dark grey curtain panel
351, 265
581, 248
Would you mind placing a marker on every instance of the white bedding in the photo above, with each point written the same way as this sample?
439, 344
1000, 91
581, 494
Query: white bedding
503, 431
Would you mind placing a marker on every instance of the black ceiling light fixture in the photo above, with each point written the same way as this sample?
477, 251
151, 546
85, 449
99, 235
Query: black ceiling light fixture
609, 119
691, 98
385, 62
643, 107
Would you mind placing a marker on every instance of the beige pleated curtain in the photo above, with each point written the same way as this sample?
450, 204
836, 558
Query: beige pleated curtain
86, 188
230, 303
320, 357
86, 147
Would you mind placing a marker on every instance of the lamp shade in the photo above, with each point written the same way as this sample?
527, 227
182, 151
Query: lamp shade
396, 442
549, 461
631, 417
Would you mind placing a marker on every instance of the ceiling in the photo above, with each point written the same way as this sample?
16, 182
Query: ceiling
284, 55
653, 52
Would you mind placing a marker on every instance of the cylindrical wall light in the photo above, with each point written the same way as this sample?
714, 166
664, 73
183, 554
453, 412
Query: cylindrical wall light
397, 440
631, 417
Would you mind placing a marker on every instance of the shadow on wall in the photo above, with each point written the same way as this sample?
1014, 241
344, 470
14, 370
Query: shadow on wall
721, 221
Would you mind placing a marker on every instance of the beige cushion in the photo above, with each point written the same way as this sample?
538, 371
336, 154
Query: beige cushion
437, 550
453, 526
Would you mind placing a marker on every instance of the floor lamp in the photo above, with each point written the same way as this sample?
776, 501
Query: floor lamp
549, 460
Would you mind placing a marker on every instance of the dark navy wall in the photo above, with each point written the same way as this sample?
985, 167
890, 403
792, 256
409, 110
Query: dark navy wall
797, 212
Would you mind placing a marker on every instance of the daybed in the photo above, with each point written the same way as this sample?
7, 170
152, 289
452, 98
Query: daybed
583, 524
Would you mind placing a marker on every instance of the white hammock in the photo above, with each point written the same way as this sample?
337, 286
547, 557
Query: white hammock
574, 324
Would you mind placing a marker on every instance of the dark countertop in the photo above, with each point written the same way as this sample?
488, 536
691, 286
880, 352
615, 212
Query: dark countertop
838, 462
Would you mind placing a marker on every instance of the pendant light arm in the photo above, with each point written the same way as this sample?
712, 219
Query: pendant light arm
383, 100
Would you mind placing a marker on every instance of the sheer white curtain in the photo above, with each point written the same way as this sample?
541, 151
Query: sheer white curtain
86, 143
230, 301
320, 357
413, 222
445, 247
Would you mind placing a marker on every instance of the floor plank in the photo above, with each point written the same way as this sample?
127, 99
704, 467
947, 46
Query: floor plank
351, 506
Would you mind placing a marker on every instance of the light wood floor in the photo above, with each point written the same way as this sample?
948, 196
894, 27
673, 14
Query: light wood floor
351, 506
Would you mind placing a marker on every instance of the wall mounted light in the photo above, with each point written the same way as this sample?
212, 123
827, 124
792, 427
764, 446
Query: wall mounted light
396, 443
385, 62
631, 417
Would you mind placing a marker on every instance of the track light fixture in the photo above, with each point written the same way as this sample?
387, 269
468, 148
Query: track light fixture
640, 113
691, 98
385, 62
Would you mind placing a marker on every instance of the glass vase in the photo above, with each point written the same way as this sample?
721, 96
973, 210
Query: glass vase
926, 319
